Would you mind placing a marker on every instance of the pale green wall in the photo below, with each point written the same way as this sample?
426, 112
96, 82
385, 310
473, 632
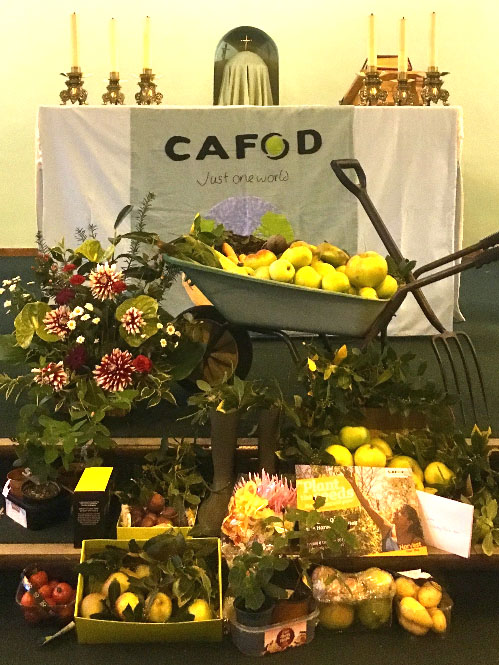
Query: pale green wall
321, 45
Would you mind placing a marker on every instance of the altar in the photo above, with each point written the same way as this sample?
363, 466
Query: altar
234, 164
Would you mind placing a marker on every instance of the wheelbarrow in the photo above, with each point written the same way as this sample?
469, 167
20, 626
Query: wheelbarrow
242, 304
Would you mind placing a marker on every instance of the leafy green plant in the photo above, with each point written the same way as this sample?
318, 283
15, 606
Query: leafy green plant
485, 520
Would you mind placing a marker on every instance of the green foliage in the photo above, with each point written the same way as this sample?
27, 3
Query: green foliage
275, 224
149, 308
486, 520
400, 270
208, 231
30, 321
189, 248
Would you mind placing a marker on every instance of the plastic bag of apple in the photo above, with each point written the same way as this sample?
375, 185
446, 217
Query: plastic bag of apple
323, 266
44, 597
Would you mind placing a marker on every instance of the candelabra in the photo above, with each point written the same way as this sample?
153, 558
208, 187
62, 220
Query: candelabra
371, 93
432, 90
74, 87
147, 94
403, 95
113, 94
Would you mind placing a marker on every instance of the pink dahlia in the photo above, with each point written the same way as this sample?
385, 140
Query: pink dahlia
56, 320
133, 321
52, 375
103, 279
115, 371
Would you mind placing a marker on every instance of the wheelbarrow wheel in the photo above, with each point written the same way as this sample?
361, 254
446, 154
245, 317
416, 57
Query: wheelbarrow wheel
228, 348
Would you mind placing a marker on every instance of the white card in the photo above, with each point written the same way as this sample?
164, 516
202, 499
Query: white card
447, 524
16, 513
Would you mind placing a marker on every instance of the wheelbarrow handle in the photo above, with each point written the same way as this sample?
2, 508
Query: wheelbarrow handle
489, 241
339, 167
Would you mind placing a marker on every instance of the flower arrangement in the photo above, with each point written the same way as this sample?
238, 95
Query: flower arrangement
96, 338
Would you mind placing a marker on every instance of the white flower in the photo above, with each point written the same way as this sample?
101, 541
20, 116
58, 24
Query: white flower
78, 311
159, 326
175, 345
96, 340
96, 320
89, 306
143, 336
25, 295
6, 282
85, 317
80, 339
7, 303
13, 287
170, 329
16, 279
71, 324
163, 342
2, 291
29, 283
178, 333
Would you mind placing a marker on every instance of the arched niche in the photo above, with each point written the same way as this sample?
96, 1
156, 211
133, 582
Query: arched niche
252, 39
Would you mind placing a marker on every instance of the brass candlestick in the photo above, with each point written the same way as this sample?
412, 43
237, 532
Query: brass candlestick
371, 93
147, 94
113, 94
403, 95
74, 84
432, 90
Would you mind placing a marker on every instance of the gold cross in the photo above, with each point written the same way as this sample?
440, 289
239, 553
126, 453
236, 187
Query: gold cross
246, 42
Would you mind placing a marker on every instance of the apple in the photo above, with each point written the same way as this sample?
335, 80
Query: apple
142, 570
418, 483
336, 616
122, 580
342, 269
352, 291
156, 503
282, 270
62, 593
436, 473
298, 256
366, 269
431, 490
331, 254
93, 603
160, 607
322, 268
45, 591
406, 462
264, 257
353, 437
335, 281
342, 456
127, 599
307, 276
369, 455
39, 579
388, 287
263, 272
303, 243
382, 445
368, 293
200, 610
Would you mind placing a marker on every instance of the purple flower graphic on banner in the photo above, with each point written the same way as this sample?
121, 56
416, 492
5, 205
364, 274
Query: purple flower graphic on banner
241, 214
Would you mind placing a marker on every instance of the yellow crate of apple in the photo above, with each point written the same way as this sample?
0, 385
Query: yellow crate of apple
321, 266
422, 605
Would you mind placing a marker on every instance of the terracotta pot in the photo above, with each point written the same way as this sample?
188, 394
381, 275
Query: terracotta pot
17, 480
286, 610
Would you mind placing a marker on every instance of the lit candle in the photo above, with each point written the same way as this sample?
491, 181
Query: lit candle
112, 45
147, 43
372, 56
402, 64
74, 40
433, 34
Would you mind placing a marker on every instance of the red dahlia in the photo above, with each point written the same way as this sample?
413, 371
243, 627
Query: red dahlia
69, 267
52, 375
77, 279
115, 371
142, 364
64, 296
76, 357
119, 287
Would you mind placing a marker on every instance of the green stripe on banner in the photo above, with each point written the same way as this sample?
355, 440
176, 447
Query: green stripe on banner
234, 164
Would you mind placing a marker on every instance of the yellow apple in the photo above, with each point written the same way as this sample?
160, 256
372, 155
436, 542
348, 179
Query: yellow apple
93, 603
352, 291
200, 610
303, 243
368, 293
298, 256
335, 281
264, 257
388, 287
121, 578
336, 616
368, 455
307, 276
382, 445
282, 270
342, 269
353, 437
263, 272
323, 268
342, 456
127, 599
418, 483
160, 607
436, 473
142, 570
366, 269
331, 254
406, 462
431, 490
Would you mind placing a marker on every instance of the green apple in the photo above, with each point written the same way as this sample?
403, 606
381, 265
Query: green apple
160, 607
307, 276
263, 272
368, 455
436, 473
93, 603
121, 578
336, 616
264, 257
353, 437
331, 254
366, 269
335, 281
383, 446
200, 610
323, 268
127, 599
282, 270
374, 612
388, 287
368, 293
406, 462
298, 256
342, 456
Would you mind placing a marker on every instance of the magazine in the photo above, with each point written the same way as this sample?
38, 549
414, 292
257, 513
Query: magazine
379, 504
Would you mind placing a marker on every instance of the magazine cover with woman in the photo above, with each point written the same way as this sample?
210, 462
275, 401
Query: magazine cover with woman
380, 505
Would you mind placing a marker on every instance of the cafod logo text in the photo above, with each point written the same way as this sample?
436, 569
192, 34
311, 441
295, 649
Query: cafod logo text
273, 145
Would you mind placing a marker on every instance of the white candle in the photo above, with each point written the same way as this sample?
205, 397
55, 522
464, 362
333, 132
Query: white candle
113, 45
147, 43
74, 40
372, 56
433, 40
402, 62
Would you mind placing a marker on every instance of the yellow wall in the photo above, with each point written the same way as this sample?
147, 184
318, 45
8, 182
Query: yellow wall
321, 45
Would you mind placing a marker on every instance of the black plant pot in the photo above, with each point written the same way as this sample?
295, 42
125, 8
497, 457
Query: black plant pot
261, 617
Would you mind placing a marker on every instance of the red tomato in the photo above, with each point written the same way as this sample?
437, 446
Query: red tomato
62, 593
39, 579
53, 584
50, 601
45, 591
27, 600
